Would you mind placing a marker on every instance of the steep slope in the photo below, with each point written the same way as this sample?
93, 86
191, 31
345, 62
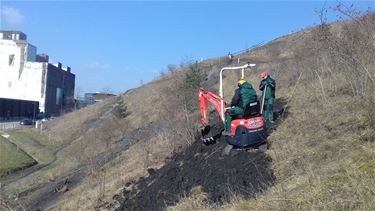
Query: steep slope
245, 173
323, 152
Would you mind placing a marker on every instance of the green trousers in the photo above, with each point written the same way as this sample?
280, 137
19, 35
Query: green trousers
231, 113
268, 109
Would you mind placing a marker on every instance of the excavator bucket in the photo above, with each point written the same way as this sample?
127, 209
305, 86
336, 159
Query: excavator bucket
205, 130
210, 134
207, 137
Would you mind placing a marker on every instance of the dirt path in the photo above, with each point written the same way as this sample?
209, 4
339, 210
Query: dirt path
58, 152
43, 190
49, 193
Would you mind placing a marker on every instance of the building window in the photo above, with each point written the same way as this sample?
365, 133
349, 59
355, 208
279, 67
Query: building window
59, 96
11, 60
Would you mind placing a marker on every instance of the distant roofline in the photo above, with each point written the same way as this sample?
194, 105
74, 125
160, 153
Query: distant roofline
16, 36
12, 31
102, 93
17, 41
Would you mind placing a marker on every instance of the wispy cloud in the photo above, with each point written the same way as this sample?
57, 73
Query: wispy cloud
97, 66
11, 16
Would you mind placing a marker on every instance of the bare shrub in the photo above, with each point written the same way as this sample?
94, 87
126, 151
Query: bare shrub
347, 50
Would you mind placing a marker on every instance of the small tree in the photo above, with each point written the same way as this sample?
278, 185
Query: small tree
191, 83
121, 110
187, 94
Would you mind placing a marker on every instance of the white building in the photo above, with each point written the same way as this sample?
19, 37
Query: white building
26, 76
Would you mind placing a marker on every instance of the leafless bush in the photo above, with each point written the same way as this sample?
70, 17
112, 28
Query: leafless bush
347, 50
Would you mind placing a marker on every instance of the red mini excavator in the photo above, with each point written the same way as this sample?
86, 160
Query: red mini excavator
247, 132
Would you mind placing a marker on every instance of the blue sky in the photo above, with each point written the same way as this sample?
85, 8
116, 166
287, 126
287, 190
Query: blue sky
117, 44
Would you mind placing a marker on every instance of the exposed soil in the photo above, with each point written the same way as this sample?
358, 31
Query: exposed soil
243, 172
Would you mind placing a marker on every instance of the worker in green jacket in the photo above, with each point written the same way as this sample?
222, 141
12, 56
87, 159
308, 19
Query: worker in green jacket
243, 95
268, 86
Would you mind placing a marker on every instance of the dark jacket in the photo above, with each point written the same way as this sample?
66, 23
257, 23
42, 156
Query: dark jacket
243, 95
271, 87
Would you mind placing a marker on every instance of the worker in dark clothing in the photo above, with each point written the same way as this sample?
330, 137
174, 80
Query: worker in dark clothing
268, 86
244, 95
230, 57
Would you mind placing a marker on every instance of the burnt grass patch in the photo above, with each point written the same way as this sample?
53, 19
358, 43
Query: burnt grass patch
244, 173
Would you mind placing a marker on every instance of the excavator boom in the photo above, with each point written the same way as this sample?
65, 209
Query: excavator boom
210, 132
214, 100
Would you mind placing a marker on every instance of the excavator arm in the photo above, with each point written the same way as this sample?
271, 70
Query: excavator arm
219, 104
214, 100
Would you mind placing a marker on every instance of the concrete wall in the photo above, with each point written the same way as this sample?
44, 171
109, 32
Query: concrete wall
60, 90
21, 78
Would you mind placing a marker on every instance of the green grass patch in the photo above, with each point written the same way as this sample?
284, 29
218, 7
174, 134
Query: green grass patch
12, 159
33, 145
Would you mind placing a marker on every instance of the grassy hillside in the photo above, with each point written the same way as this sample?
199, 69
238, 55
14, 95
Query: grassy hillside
323, 150
55, 148
321, 154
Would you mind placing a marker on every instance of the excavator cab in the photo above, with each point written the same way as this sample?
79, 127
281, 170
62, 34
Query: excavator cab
246, 131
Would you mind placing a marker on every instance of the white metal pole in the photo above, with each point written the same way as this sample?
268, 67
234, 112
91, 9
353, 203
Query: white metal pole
221, 95
221, 84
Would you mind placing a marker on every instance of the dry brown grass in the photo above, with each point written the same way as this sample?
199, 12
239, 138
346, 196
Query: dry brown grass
118, 172
196, 200
153, 101
105, 181
324, 165
323, 152
127, 167
71, 125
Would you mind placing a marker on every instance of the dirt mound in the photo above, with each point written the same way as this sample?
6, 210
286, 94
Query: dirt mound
244, 173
